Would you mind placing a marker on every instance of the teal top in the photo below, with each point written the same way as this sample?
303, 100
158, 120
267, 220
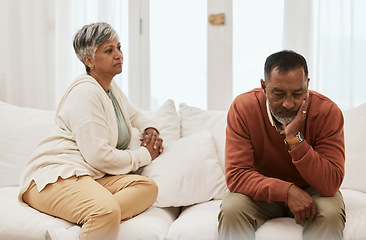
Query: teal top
123, 133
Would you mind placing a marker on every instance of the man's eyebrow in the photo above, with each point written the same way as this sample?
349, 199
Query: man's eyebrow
277, 89
281, 90
299, 90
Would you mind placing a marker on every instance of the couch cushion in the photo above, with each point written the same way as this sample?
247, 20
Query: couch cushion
21, 129
197, 222
23, 222
355, 141
355, 202
152, 224
187, 172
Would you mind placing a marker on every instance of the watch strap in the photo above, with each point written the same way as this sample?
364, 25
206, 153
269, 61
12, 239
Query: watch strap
297, 139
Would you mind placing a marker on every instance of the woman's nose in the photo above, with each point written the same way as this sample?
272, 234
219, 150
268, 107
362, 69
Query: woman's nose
118, 55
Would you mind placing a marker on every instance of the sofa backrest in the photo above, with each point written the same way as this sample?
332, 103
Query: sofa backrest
21, 130
355, 141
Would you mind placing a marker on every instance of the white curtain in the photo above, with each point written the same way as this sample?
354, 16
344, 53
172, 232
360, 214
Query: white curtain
38, 61
27, 46
331, 35
341, 50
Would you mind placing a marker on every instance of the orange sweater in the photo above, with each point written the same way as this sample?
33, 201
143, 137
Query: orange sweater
258, 162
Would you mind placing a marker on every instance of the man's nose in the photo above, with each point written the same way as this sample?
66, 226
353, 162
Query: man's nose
288, 102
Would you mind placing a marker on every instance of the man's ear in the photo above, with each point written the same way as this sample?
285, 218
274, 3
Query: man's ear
88, 60
263, 85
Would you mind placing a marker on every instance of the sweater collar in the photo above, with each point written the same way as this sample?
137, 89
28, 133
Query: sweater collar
272, 121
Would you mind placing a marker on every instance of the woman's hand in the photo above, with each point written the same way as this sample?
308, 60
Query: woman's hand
151, 140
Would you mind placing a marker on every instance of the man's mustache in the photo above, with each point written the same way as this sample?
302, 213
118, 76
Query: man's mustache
287, 112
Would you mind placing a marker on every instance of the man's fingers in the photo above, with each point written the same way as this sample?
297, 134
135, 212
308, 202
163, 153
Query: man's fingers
313, 213
297, 218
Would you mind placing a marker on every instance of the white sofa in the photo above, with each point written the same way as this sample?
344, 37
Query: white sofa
189, 174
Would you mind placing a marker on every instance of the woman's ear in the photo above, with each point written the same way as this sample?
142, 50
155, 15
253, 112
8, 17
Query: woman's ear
88, 60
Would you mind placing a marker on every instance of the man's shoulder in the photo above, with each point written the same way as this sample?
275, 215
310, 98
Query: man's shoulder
319, 98
251, 104
250, 98
322, 104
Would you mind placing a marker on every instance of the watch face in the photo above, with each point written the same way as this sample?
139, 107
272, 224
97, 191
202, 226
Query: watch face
300, 136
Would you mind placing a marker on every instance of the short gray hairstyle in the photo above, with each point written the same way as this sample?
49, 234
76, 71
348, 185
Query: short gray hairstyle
90, 37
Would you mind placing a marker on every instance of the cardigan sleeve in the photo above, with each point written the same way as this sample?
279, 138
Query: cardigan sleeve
87, 114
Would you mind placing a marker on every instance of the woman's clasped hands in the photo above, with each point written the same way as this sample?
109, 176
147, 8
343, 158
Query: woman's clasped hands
151, 140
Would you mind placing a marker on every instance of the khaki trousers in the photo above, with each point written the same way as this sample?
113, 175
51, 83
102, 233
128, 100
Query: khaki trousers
98, 206
241, 216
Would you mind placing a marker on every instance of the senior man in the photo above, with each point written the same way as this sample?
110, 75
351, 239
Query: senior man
284, 155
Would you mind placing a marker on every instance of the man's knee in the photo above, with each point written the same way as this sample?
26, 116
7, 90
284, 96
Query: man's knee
235, 209
331, 210
332, 215
235, 218
329, 221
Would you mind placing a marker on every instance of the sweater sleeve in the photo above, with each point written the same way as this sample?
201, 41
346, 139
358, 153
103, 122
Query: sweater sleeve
322, 163
240, 172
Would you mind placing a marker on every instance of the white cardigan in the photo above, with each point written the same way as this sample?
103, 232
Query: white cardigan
85, 139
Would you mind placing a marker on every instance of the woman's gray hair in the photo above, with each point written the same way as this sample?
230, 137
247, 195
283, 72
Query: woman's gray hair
90, 37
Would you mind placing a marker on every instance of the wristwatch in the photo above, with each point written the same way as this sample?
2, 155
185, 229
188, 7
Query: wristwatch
297, 139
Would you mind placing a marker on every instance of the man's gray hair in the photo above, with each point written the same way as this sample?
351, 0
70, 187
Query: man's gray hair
90, 37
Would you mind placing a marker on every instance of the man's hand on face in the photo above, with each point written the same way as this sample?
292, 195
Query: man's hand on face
294, 126
301, 204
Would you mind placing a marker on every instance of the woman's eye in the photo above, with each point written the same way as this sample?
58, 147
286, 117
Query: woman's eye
109, 51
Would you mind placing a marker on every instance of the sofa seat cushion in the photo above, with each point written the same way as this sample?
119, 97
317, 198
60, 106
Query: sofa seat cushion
25, 223
152, 224
196, 222
199, 222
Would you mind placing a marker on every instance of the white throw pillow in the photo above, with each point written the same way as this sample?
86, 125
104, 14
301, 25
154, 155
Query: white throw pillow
21, 130
187, 172
355, 141
193, 119
169, 125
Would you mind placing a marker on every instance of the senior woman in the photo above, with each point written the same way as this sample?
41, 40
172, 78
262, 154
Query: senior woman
80, 173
